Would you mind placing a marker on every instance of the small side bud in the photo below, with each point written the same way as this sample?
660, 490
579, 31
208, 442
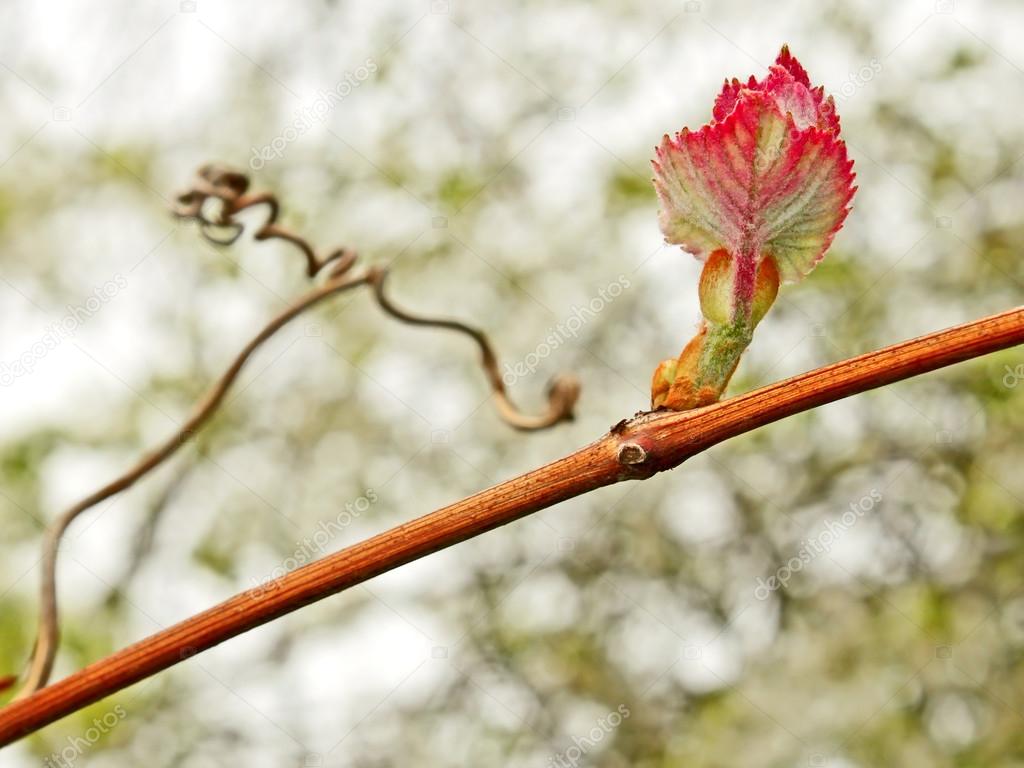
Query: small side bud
766, 288
716, 288
661, 382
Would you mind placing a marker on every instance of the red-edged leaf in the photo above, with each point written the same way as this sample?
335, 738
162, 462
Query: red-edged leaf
768, 177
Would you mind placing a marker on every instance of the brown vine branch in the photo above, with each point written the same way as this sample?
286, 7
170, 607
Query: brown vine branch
217, 197
634, 448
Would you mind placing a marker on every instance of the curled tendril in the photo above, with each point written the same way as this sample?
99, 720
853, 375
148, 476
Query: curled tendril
563, 390
218, 196
217, 223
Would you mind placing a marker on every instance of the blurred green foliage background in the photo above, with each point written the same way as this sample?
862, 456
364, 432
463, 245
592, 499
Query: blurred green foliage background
496, 156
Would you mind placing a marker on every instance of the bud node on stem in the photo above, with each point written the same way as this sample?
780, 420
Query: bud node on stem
735, 293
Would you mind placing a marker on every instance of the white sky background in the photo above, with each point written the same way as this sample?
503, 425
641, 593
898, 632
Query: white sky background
558, 97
